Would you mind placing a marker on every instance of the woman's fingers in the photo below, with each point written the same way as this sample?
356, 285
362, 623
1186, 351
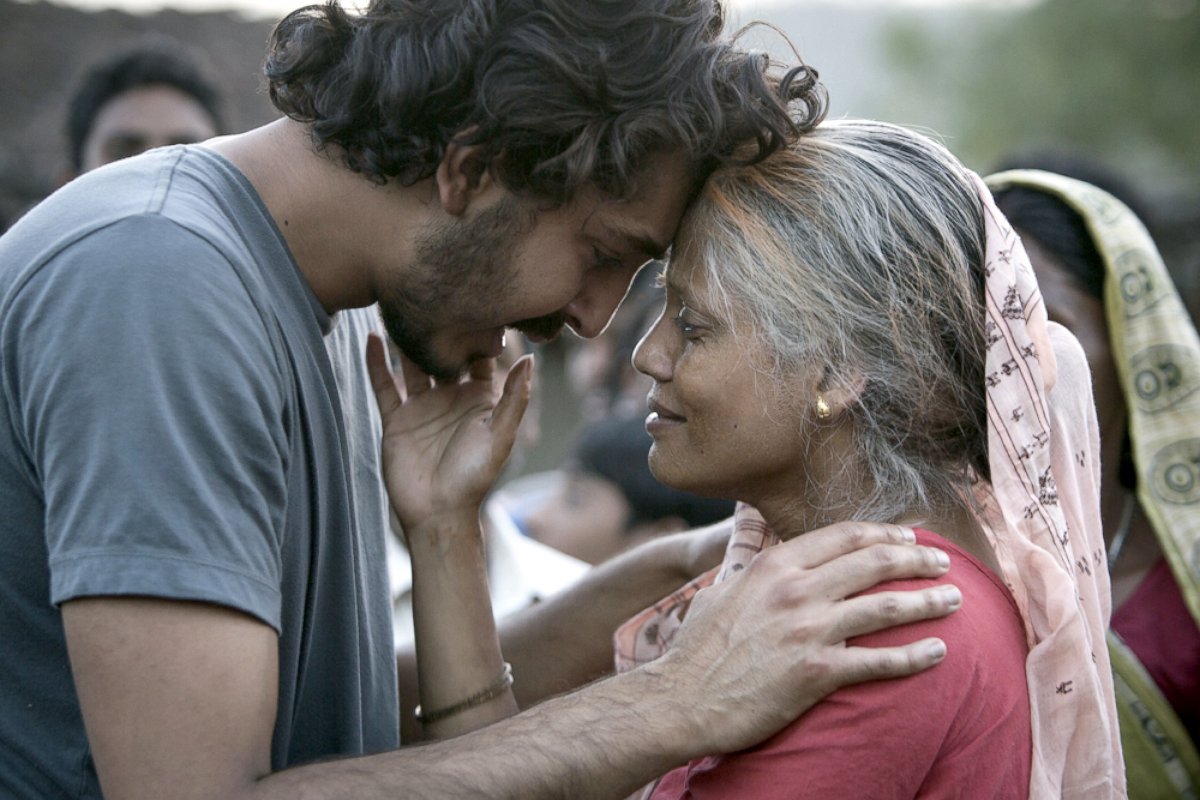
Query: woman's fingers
387, 396
482, 369
415, 379
506, 417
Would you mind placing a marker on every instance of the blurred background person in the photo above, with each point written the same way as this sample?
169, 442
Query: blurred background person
1101, 277
604, 500
152, 95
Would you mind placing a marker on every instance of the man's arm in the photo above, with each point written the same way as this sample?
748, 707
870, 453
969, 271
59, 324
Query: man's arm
179, 701
179, 698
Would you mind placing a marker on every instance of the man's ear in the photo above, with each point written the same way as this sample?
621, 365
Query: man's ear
462, 175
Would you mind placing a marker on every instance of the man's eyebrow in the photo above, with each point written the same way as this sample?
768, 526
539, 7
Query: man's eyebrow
638, 241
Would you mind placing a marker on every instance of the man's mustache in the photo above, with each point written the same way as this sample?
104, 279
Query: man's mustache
546, 327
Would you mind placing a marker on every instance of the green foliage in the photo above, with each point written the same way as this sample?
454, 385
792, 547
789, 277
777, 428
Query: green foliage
1118, 79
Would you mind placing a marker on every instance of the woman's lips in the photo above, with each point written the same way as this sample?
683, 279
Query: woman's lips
662, 418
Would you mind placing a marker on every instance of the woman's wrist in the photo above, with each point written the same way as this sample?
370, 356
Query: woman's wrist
493, 691
441, 531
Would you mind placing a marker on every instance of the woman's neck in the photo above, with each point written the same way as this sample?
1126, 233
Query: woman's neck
958, 526
1133, 547
791, 509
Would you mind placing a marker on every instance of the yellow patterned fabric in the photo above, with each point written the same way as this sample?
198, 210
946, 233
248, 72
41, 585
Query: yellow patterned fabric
1157, 355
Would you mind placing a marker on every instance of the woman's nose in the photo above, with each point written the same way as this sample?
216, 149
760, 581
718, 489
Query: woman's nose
650, 356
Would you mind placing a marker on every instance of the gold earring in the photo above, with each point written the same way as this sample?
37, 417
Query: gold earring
823, 409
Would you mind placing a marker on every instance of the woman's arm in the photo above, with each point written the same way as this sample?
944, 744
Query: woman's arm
443, 446
566, 641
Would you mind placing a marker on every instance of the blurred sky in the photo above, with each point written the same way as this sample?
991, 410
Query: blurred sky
276, 8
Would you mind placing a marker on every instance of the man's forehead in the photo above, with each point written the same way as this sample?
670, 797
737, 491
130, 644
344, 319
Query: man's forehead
647, 220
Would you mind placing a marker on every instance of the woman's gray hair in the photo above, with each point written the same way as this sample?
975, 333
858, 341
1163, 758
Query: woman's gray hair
859, 249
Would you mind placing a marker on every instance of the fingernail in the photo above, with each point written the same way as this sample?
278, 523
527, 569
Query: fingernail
942, 558
936, 650
952, 596
908, 535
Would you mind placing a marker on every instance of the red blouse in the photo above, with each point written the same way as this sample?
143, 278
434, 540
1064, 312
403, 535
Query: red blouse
1154, 622
960, 729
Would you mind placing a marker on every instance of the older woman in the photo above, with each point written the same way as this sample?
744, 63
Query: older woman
852, 331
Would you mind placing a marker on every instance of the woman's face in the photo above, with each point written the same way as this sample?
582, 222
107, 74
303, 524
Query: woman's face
720, 424
1071, 306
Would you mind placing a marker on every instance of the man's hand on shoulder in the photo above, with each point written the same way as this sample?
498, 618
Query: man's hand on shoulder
761, 648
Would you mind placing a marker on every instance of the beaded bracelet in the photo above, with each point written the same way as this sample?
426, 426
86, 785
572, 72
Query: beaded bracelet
497, 688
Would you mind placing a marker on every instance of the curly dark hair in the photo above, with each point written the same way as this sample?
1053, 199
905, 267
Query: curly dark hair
569, 92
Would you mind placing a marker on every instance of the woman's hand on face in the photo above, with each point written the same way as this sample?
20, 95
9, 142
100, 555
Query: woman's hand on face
444, 443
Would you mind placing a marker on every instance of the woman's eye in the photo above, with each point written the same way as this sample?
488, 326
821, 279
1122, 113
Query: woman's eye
686, 326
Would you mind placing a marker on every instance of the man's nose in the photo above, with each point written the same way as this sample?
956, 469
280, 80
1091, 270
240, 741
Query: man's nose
589, 313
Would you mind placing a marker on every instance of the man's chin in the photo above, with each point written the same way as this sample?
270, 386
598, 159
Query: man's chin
414, 344
441, 370
433, 365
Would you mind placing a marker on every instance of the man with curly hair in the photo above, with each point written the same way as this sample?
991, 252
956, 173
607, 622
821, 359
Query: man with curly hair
192, 607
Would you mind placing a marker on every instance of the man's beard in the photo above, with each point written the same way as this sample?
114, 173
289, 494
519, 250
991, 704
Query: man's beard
461, 269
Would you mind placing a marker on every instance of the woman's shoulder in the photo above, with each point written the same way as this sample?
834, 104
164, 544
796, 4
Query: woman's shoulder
987, 624
926, 735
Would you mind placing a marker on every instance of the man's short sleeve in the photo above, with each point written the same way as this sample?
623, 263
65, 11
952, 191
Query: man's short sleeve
152, 408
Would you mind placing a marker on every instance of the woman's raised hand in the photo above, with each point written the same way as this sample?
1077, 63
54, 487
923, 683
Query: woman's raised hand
444, 443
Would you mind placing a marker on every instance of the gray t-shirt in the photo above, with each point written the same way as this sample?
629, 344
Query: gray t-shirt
170, 427
346, 344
